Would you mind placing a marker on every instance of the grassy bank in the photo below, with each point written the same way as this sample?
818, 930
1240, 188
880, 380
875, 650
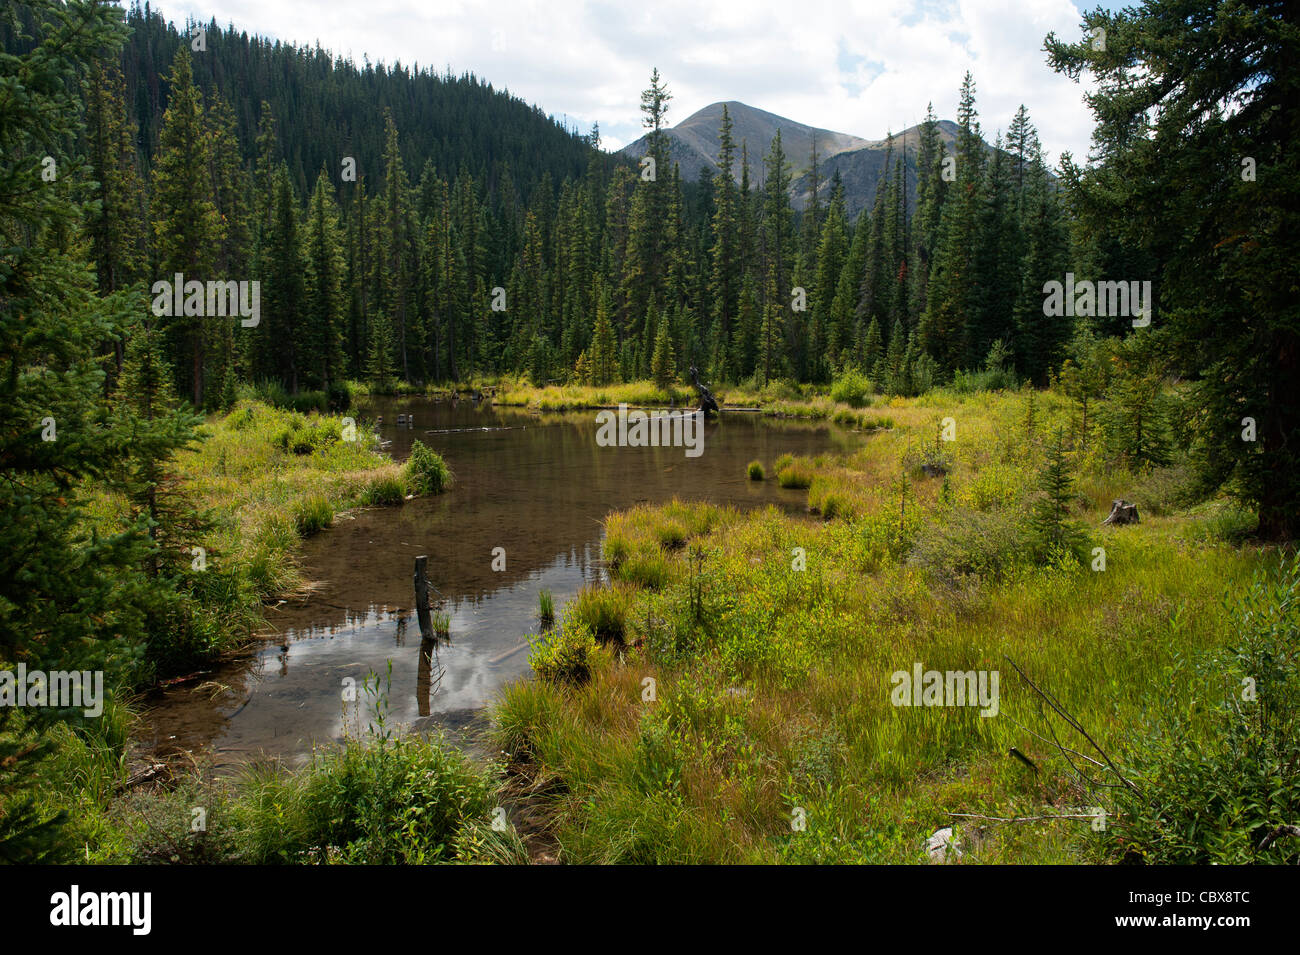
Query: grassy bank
238, 505
375, 799
769, 732
779, 399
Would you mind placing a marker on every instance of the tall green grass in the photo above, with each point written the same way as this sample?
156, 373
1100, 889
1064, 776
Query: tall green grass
773, 650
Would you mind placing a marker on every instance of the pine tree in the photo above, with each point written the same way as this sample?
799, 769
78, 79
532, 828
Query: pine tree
145, 408
186, 224
604, 349
843, 312
770, 335
1039, 338
724, 281
647, 225
895, 381
70, 597
1053, 532
996, 262
832, 252
323, 293
745, 337
230, 257
395, 261
284, 289
953, 278
379, 357
113, 221
873, 352
872, 290
776, 235
663, 366
930, 194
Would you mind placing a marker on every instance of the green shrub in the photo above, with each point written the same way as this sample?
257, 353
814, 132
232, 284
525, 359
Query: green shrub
381, 802
756, 471
1052, 530
852, 388
1220, 776
426, 472
565, 655
307, 435
149, 821
970, 382
1228, 524
983, 543
305, 401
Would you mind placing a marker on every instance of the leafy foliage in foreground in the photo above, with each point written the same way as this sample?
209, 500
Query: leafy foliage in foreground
1220, 773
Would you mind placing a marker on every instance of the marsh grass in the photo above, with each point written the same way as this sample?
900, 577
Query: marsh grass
777, 399
440, 623
426, 472
313, 514
798, 473
603, 611
773, 684
570, 397
264, 478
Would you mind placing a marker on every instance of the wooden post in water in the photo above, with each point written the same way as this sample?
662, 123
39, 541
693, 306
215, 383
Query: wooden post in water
422, 596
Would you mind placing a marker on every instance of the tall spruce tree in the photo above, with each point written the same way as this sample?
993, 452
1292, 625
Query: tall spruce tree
71, 596
186, 223
1197, 131
323, 292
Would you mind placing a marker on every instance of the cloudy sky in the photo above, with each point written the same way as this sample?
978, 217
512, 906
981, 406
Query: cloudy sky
855, 67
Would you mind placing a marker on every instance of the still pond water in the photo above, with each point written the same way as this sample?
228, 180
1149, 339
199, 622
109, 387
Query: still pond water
538, 486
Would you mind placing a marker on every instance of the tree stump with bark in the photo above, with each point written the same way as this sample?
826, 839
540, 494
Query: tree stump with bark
1122, 512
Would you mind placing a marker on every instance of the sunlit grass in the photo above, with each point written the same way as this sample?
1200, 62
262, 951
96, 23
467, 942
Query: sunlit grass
772, 638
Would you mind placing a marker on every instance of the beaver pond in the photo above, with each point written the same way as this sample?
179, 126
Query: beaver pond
538, 487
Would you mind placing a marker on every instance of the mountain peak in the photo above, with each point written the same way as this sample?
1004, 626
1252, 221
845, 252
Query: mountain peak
694, 145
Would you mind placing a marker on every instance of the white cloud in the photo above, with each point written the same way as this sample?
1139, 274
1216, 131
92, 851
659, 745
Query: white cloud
860, 68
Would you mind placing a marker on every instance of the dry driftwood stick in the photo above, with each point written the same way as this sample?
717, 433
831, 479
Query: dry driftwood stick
972, 815
1075, 725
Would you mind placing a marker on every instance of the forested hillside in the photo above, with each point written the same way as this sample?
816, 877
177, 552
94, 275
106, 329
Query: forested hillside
406, 226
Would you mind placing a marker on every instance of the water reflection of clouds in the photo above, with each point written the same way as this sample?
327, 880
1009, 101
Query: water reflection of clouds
542, 492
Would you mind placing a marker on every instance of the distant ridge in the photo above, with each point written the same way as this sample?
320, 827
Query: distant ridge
693, 144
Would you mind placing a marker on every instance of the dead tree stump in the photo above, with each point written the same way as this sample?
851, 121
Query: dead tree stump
1122, 512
